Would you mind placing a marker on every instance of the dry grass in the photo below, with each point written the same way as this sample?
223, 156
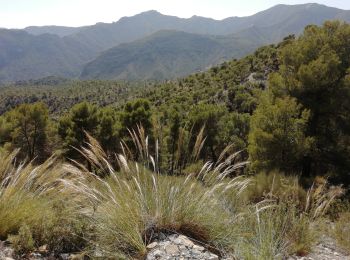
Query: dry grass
24, 192
29, 199
288, 227
268, 216
342, 231
132, 205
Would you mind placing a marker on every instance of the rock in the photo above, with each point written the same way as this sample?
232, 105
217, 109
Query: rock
162, 236
178, 247
182, 240
33, 256
198, 248
213, 257
152, 245
6, 252
76, 257
43, 249
64, 256
172, 249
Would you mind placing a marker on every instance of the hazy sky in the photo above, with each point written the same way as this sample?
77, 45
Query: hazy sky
22, 13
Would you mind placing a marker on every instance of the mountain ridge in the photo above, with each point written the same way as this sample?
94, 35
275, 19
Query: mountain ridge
38, 55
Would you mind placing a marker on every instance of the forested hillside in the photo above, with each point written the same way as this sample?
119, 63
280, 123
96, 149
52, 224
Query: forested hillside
61, 96
231, 100
166, 55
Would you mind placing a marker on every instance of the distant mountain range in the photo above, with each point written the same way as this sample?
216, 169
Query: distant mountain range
149, 45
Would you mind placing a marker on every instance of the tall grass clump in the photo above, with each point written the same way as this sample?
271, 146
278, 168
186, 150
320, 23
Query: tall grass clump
289, 225
134, 204
29, 204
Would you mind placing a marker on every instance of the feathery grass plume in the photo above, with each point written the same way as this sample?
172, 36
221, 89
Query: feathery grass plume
22, 190
130, 207
29, 196
320, 197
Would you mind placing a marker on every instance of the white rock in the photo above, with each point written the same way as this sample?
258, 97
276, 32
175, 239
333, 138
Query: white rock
184, 241
152, 245
171, 249
198, 248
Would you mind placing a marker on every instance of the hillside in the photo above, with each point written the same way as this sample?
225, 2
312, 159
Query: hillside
167, 55
293, 19
57, 30
24, 56
38, 52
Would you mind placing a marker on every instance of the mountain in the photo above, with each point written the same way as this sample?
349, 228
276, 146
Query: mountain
25, 56
57, 30
166, 55
62, 51
293, 19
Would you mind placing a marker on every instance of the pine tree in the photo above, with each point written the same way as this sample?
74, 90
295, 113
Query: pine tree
276, 138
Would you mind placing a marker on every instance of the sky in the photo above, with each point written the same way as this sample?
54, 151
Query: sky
22, 13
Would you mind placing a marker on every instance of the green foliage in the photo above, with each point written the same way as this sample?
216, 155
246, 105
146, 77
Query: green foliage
25, 127
62, 95
314, 70
277, 139
275, 185
208, 116
72, 127
137, 112
108, 129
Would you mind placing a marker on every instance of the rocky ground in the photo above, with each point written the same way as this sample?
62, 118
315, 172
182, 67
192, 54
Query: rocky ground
180, 247
7, 253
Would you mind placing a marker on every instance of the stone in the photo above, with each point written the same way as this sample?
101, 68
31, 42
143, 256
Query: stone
171, 249
177, 247
184, 241
64, 256
198, 248
76, 257
43, 249
212, 257
152, 245
162, 236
